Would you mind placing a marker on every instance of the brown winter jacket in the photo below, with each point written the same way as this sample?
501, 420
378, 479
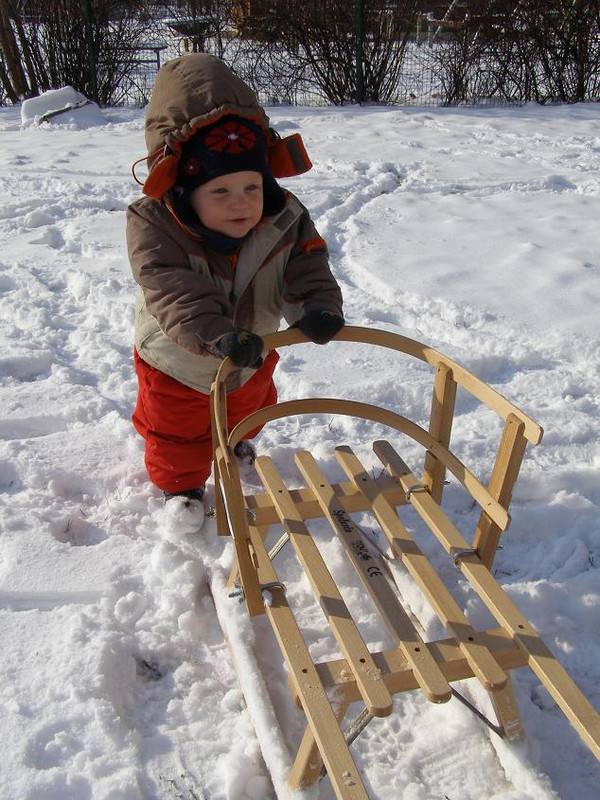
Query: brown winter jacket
191, 295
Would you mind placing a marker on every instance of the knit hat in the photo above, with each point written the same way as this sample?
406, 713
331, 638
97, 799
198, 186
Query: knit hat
230, 145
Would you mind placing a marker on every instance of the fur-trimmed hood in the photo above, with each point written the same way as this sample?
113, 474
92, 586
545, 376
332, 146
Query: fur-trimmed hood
197, 90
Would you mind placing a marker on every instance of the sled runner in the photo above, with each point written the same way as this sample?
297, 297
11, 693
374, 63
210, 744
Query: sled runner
362, 676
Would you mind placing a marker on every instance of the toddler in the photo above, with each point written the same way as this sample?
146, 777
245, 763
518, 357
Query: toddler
222, 253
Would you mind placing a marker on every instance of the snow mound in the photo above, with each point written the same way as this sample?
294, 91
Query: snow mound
64, 106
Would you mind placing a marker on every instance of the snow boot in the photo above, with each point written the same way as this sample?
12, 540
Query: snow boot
183, 513
190, 496
245, 453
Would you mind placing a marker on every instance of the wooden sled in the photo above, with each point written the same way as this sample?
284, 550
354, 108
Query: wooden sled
372, 678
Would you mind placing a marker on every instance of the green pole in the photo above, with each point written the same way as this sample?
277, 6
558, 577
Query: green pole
89, 29
360, 35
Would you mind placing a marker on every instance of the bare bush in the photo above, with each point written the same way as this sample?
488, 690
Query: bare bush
319, 40
542, 50
48, 43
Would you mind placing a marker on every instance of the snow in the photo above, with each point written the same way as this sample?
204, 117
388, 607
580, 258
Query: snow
64, 106
473, 230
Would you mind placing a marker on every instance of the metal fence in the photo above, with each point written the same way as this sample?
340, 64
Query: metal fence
419, 83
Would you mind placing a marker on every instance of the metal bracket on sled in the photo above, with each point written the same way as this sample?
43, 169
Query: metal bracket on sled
238, 591
458, 554
265, 589
417, 487
468, 551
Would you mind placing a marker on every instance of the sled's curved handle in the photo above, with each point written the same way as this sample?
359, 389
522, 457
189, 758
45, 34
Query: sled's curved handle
403, 344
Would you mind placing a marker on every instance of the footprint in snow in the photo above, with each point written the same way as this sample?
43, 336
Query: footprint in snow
26, 368
53, 745
77, 531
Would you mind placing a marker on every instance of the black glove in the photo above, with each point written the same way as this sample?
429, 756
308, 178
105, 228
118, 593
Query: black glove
243, 348
320, 325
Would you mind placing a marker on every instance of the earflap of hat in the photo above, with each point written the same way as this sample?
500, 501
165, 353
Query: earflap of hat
163, 176
287, 157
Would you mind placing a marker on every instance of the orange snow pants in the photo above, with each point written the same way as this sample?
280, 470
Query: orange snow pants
175, 422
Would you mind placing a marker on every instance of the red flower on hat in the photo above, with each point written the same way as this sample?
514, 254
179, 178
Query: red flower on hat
191, 166
231, 137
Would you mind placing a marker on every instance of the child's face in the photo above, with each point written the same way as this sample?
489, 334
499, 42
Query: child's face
231, 204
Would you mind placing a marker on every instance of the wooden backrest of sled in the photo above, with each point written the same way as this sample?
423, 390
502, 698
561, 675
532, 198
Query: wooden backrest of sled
494, 499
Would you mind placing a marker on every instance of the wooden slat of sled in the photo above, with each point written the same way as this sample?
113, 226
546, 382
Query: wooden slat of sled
399, 676
264, 513
324, 726
236, 524
308, 763
578, 710
350, 498
440, 427
504, 475
449, 612
217, 399
375, 695
507, 712
428, 674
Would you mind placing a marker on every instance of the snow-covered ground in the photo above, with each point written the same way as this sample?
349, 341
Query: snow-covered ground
474, 230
